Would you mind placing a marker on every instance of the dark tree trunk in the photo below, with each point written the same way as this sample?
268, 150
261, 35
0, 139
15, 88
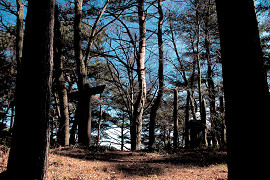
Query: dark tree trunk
223, 127
245, 87
30, 142
60, 81
175, 120
158, 100
82, 111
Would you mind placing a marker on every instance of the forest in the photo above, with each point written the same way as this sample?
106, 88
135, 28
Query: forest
153, 76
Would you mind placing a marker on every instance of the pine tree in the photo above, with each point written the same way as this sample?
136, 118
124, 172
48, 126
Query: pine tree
30, 142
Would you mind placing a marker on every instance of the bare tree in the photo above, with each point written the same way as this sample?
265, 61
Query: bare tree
136, 123
175, 120
158, 100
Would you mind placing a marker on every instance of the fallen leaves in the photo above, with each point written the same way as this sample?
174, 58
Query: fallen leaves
77, 163
82, 164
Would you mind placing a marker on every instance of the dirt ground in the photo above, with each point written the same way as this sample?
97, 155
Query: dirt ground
79, 163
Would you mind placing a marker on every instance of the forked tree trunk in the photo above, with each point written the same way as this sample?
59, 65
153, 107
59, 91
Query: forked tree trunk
82, 111
28, 157
158, 100
210, 81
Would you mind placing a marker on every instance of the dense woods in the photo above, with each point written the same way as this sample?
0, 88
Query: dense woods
133, 75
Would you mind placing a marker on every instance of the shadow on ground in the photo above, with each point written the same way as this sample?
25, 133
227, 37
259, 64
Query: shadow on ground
146, 164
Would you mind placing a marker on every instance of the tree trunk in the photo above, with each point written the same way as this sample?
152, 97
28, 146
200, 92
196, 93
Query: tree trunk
60, 81
203, 119
175, 120
158, 100
211, 86
193, 111
140, 102
19, 34
245, 88
198, 26
82, 111
223, 127
186, 126
99, 120
87, 137
122, 133
30, 142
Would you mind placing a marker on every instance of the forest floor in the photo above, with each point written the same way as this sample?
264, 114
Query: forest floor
81, 163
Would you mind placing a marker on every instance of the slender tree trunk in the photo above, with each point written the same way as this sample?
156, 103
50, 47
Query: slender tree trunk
199, 66
140, 102
193, 111
211, 86
77, 45
122, 133
203, 119
30, 142
223, 127
245, 87
19, 46
158, 100
198, 26
186, 126
60, 81
175, 120
93, 32
88, 124
99, 120
198, 61
19, 34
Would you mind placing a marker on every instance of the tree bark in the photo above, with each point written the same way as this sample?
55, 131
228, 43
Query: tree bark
158, 100
175, 120
82, 111
60, 81
186, 129
245, 88
30, 142
122, 133
19, 34
140, 102
203, 119
99, 120
211, 86
223, 127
